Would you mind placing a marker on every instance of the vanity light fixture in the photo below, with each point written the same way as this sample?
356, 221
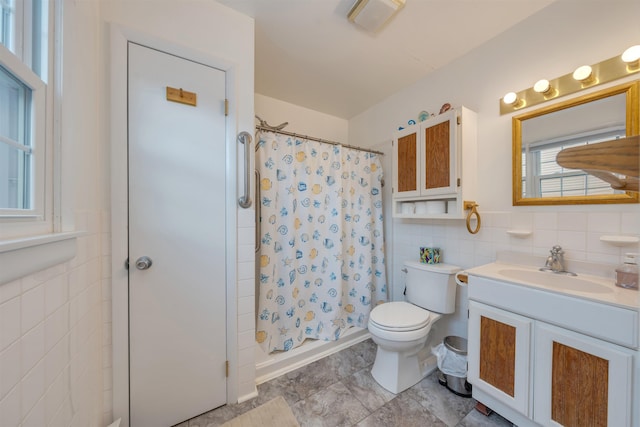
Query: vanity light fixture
583, 77
373, 14
631, 57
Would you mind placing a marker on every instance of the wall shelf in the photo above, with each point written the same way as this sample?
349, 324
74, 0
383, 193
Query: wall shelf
620, 240
520, 233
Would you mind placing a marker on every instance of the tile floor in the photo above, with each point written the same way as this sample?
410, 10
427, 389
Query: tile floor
339, 390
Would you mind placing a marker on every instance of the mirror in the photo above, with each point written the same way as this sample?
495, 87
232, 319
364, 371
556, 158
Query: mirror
538, 136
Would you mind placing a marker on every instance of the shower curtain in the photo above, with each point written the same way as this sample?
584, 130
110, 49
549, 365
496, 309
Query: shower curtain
322, 253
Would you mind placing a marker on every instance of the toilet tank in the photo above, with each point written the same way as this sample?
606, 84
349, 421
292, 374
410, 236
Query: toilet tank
431, 286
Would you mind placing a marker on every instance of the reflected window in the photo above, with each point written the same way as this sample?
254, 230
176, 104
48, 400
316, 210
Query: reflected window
542, 176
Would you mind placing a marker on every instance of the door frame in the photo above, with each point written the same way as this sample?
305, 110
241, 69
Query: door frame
120, 37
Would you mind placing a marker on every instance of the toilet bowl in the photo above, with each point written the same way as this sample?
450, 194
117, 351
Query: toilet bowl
400, 329
398, 365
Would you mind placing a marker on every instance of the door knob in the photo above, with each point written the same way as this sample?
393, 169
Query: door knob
143, 263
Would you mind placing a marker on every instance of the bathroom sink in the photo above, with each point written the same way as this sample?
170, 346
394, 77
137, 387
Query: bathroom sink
554, 280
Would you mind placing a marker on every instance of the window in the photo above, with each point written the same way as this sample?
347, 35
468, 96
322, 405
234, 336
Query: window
24, 50
543, 177
15, 151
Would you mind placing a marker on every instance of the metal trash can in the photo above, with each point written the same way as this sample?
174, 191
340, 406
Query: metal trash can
456, 384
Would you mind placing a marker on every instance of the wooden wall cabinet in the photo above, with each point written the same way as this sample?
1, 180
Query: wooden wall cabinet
535, 373
435, 160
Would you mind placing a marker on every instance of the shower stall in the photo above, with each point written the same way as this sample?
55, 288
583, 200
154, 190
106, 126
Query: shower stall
320, 247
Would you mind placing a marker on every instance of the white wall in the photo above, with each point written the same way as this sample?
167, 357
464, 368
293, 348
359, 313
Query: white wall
549, 44
301, 120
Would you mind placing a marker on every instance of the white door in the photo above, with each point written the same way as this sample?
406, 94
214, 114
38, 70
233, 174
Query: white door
177, 329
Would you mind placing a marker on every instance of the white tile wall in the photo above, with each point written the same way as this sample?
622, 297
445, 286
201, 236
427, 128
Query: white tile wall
50, 336
246, 303
106, 344
577, 232
9, 326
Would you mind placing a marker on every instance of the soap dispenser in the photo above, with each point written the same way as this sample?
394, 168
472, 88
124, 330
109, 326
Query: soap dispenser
627, 273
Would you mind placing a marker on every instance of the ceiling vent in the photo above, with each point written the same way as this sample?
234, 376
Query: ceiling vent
373, 14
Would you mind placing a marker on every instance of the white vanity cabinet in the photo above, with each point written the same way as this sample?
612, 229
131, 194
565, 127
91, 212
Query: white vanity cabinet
435, 160
528, 362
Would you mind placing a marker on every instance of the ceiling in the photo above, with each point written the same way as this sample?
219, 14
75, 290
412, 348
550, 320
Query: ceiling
307, 53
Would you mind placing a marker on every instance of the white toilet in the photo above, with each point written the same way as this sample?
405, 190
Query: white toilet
400, 329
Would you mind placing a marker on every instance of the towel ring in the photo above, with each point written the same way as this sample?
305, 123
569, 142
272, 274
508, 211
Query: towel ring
471, 207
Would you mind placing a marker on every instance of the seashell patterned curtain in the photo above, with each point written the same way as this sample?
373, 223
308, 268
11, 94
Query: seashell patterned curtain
322, 264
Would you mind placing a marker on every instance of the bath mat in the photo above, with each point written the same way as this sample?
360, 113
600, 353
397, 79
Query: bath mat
274, 413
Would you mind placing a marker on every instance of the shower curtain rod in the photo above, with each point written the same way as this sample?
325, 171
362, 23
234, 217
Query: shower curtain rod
325, 141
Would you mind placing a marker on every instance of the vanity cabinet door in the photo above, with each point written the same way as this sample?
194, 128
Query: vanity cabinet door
406, 163
499, 355
579, 380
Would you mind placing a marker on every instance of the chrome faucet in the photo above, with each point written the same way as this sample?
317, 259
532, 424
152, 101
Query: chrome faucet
555, 262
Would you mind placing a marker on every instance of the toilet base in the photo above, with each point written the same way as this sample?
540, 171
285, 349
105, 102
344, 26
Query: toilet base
397, 371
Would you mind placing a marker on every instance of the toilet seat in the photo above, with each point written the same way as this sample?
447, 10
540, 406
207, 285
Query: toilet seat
399, 316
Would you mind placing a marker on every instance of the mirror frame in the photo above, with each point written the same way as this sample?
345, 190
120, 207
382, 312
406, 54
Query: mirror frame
632, 128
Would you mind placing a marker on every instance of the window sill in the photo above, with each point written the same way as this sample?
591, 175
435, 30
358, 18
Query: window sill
21, 257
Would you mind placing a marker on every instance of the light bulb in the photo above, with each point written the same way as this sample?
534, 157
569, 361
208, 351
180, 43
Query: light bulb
542, 86
585, 76
582, 73
632, 54
632, 58
510, 98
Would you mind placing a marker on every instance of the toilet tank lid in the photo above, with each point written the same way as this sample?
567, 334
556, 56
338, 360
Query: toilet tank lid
435, 268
